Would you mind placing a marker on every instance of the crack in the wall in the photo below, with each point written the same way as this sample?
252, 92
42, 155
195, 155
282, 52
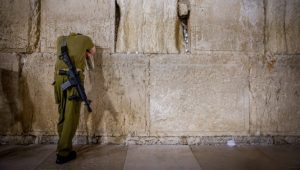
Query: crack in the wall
268, 56
34, 22
117, 22
148, 95
251, 97
284, 26
265, 3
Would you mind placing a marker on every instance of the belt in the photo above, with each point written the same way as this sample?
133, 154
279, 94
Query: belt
65, 69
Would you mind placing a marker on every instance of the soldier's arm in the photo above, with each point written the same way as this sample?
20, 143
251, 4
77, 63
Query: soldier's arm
91, 52
90, 59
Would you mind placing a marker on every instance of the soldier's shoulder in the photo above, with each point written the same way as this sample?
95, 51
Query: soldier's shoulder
84, 36
59, 38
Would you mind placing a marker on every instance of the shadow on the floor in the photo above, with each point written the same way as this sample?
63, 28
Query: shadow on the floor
110, 157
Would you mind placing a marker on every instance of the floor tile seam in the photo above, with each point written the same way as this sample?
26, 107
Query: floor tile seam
268, 157
190, 148
45, 159
128, 146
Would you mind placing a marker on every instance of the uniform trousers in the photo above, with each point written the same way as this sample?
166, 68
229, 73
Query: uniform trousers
69, 113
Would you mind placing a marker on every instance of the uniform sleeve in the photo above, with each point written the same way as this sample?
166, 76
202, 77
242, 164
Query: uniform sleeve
89, 43
58, 44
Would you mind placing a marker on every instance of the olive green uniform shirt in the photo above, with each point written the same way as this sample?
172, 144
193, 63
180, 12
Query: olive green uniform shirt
77, 46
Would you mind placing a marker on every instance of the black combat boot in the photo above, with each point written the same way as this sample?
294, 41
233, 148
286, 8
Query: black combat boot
64, 159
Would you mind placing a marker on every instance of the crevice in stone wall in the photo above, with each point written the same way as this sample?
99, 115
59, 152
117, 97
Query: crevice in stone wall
268, 57
148, 85
34, 26
284, 27
265, 3
177, 36
183, 12
117, 22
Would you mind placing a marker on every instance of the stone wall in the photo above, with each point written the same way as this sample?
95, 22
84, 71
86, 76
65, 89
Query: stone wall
241, 77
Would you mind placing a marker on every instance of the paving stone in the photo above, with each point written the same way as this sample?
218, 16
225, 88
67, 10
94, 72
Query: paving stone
24, 157
154, 157
288, 156
233, 158
160, 157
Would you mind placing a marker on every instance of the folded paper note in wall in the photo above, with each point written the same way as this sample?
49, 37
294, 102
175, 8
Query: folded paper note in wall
183, 9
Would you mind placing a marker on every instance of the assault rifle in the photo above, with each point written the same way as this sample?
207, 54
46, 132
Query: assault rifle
74, 80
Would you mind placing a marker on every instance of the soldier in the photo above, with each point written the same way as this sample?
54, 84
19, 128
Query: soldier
80, 49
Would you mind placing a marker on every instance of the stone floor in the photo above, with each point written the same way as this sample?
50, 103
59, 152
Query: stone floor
156, 157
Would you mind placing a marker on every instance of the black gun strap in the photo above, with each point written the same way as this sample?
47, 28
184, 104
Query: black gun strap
64, 43
63, 48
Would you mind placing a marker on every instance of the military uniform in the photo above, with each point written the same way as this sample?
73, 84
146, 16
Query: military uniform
69, 110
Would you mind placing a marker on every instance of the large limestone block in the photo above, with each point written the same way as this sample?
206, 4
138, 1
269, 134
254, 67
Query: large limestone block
94, 18
205, 94
233, 25
39, 113
283, 26
14, 27
118, 90
275, 95
147, 26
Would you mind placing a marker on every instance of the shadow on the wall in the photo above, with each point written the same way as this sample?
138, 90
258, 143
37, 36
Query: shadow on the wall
16, 106
98, 123
9, 111
115, 100
28, 109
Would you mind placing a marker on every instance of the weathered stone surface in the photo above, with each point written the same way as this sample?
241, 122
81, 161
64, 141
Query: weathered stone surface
217, 25
10, 61
39, 113
275, 95
147, 26
94, 18
118, 90
283, 26
34, 26
154, 140
196, 95
211, 140
14, 16
9, 92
